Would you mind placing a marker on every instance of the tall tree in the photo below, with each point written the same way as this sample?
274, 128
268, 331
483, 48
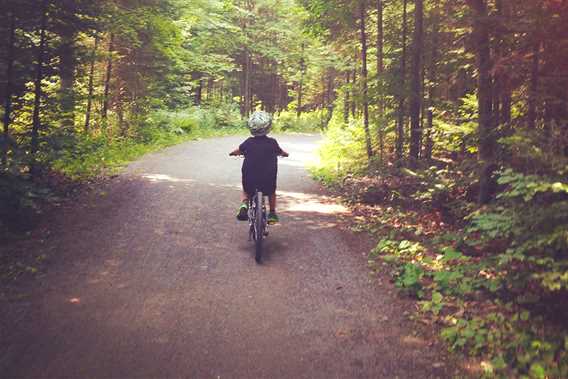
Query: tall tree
416, 92
534, 84
301, 82
347, 98
433, 83
8, 91
533, 93
380, 69
37, 84
364, 75
486, 128
402, 88
67, 66
108, 78
91, 85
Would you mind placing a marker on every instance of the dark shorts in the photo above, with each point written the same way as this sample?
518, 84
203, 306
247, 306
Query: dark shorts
264, 183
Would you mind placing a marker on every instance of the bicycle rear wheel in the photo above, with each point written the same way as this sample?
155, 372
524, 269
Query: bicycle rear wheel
258, 227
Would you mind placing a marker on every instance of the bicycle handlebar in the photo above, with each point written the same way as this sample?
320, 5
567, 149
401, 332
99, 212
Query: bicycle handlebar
242, 155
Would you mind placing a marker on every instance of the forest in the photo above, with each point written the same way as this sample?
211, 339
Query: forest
446, 127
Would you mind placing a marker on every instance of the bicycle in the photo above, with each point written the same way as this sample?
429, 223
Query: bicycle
258, 225
257, 218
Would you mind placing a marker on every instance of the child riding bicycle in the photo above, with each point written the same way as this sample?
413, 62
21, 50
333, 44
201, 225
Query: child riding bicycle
260, 167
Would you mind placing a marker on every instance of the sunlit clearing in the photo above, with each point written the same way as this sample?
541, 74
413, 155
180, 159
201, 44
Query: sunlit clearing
74, 300
302, 202
155, 178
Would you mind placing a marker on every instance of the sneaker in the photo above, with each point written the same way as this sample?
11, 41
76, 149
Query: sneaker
273, 218
242, 214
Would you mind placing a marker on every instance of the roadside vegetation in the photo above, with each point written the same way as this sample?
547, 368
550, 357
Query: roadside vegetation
491, 279
100, 154
466, 194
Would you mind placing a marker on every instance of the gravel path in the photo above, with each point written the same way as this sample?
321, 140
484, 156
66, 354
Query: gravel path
153, 277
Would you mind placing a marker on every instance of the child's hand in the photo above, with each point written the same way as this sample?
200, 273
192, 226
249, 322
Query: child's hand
285, 154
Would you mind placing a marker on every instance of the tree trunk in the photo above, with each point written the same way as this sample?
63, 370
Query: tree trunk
247, 94
120, 101
506, 103
330, 95
380, 69
415, 97
353, 90
8, 93
67, 75
401, 100
364, 76
486, 132
210, 93
300, 94
549, 101
91, 85
533, 91
301, 83
273, 90
37, 87
108, 76
346, 99
432, 88
198, 97
278, 95
429, 144
120, 113
502, 96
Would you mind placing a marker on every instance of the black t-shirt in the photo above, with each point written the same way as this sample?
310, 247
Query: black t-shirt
261, 164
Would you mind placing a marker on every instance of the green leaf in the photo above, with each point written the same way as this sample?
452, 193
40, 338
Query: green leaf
537, 371
525, 315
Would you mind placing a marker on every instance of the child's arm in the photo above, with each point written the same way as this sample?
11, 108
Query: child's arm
236, 152
279, 151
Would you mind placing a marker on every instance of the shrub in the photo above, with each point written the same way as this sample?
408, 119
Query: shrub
288, 121
342, 153
531, 217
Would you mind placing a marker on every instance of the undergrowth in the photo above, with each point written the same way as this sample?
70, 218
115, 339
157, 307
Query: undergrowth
102, 152
493, 280
96, 154
307, 122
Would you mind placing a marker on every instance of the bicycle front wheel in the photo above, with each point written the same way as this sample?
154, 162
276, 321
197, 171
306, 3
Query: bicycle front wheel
258, 227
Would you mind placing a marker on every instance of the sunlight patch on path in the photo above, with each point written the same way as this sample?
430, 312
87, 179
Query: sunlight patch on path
156, 178
303, 202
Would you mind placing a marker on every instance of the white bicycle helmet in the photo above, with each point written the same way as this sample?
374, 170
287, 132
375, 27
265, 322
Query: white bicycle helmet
260, 123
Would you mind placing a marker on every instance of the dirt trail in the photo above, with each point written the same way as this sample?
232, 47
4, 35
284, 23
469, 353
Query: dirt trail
154, 277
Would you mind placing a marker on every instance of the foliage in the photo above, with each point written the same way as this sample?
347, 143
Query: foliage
288, 121
94, 155
511, 338
498, 286
342, 152
531, 215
